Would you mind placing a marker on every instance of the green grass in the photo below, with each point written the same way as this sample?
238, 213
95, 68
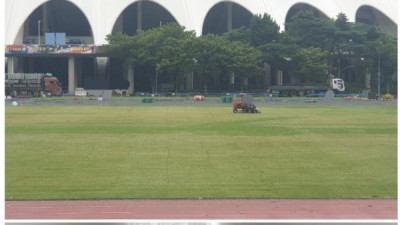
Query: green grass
120, 152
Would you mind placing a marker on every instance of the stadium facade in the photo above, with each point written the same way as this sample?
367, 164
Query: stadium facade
88, 22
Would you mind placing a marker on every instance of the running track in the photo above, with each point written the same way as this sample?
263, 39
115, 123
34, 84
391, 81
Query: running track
203, 209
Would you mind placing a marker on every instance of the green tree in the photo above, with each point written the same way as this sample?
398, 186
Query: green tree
160, 48
310, 65
211, 54
342, 22
309, 30
245, 61
263, 30
311, 47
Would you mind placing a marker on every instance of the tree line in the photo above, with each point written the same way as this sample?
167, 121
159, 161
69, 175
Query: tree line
310, 48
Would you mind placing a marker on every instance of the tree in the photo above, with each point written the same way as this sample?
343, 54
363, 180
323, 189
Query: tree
342, 22
311, 47
160, 48
387, 54
246, 61
263, 30
211, 54
310, 65
308, 30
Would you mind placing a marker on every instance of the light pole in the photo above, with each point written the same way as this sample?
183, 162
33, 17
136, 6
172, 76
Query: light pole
195, 62
39, 32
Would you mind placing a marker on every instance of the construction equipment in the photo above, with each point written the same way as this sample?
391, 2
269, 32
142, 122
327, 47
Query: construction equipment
34, 84
245, 106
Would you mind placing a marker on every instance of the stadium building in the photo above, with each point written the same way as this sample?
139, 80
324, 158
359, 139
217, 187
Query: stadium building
35, 30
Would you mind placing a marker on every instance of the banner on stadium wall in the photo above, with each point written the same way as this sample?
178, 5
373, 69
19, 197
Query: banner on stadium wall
49, 49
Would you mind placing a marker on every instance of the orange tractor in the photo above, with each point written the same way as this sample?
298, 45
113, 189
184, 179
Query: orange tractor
245, 106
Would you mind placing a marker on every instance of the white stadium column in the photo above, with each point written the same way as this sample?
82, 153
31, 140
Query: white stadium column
367, 79
267, 69
189, 81
279, 77
131, 79
245, 82
71, 75
10, 64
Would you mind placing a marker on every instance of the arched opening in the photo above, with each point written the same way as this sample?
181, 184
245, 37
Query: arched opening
372, 16
142, 15
224, 17
56, 24
57, 16
303, 7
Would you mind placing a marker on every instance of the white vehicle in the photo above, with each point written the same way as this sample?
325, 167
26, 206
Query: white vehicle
335, 84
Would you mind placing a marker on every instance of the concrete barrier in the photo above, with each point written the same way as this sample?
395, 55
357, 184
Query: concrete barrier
105, 94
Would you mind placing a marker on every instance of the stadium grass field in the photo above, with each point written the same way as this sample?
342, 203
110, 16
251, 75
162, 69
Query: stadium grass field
129, 152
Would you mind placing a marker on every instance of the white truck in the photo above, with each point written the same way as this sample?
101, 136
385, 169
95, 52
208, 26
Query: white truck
335, 84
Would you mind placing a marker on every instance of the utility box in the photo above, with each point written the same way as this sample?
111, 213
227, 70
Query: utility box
147, 100
227, 99
80, 92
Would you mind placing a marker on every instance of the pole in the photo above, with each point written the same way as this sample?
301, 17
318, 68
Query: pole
195, 62
39, 32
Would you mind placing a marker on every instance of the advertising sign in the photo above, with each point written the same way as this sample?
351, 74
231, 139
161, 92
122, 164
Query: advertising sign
50, 49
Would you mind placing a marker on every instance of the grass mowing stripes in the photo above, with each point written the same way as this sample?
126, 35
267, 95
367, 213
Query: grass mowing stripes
119, 152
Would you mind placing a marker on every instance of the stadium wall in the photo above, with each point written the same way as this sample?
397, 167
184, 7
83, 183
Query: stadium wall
103, 14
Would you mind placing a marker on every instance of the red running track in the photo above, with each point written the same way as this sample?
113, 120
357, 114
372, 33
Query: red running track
203, 209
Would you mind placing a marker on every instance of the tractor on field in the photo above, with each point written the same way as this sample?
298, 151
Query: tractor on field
245, 105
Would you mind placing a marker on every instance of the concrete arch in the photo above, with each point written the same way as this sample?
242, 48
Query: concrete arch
199, 10
302, 6
141, 2
16, 32
102, 14
229, 4
306, 6
110, 11
373, 16
350, 8
328, 9
16, 19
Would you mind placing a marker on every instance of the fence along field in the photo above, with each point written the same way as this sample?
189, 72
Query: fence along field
124, 152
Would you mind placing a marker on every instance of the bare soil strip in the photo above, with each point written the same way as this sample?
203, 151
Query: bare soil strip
259, 209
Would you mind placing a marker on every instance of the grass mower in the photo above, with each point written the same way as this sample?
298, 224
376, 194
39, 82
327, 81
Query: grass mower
245, 106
